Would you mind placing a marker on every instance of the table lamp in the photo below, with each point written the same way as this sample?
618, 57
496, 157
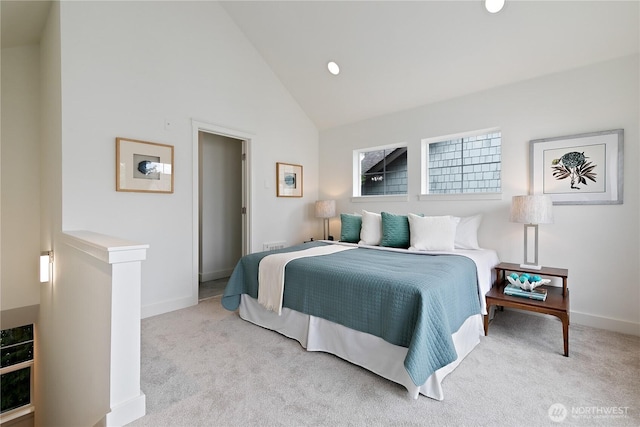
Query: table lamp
326, 209
531, 211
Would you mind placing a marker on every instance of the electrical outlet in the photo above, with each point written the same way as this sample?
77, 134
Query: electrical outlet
270, 246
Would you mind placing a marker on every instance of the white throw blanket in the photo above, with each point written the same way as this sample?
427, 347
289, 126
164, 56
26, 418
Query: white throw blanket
271, 273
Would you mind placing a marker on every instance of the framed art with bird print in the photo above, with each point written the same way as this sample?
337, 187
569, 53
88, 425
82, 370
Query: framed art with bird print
584, 169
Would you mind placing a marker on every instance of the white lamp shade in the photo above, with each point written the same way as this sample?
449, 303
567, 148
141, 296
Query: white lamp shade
535, 209
325, 208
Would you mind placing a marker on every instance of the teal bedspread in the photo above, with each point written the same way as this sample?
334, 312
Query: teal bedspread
412, 300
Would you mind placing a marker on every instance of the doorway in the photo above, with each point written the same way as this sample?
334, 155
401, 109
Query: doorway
222, 223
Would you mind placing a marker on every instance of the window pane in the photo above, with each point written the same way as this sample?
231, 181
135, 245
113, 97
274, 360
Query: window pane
15, 389
465, 165
445, 167
372, 185
383, 172
396, 172
17, 353
16, 335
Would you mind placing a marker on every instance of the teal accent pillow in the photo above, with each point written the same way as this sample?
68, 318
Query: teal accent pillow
395, 231
350, 229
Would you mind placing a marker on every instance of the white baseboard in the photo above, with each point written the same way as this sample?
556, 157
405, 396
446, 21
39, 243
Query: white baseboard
608, 324
615, 325
128, 411
215, 275
167, 306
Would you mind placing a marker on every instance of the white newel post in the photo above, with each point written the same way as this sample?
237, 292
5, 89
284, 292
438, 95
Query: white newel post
127, 401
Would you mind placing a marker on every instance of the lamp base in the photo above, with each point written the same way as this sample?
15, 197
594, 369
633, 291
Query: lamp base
531, 267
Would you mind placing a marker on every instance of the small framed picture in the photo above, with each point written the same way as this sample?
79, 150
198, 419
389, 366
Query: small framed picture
584, 169
288, 180
145, 167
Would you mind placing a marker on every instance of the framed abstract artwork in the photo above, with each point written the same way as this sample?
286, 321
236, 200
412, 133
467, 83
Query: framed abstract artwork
142, 166
288, 180
584, 169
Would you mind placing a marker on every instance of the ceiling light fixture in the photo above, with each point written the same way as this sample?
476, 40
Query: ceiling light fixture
333, 68
494, 6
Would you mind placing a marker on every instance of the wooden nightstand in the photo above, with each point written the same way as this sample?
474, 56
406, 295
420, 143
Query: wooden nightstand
556, 304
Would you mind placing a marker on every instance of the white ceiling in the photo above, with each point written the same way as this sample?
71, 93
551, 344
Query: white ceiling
396, 55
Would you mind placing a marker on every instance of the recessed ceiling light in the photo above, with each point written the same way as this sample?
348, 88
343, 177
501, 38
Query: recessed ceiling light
494, 6
333, 68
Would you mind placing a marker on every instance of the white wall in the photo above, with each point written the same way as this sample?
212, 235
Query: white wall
20, 177
128, 66
220, 205
598, 244
57, 314
73, 361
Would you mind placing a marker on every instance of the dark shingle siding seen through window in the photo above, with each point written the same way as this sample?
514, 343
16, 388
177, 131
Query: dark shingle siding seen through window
384, 172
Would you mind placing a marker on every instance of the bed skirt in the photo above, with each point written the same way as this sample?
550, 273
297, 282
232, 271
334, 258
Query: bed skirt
362, 349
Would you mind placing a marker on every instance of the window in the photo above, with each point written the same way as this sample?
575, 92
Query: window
462, 164
16, 347
380, 172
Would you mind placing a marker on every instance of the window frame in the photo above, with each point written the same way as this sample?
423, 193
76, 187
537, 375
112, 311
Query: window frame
27, 408
424, 168
357, 173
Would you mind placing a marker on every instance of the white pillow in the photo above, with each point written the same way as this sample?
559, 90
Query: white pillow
432, 233
467, 232
371, 231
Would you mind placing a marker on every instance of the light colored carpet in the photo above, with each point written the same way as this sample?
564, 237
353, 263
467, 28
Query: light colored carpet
204, 366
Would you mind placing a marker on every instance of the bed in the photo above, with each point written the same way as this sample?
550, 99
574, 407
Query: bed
410, 317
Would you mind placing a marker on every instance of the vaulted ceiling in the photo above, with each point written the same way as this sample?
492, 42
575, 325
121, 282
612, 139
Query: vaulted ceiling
396, 55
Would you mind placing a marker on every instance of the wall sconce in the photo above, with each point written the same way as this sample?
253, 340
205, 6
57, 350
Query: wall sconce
531, 211
46, 260
326, 209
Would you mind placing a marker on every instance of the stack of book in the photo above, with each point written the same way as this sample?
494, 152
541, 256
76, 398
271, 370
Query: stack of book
537, 294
